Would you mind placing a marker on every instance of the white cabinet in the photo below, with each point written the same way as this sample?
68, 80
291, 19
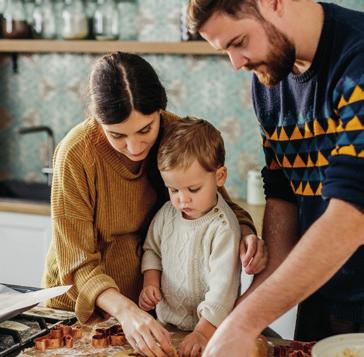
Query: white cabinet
24, 242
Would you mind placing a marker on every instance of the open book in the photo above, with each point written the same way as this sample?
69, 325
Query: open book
13, 303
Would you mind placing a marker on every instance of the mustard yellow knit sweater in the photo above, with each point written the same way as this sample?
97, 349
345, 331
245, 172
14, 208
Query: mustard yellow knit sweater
101, 209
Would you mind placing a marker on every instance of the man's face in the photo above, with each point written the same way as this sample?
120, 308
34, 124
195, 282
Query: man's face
252, 44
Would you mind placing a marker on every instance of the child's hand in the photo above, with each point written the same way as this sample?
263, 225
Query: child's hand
149, 297
192, 345
253, 254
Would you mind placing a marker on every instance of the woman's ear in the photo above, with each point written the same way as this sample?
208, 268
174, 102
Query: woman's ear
221, 175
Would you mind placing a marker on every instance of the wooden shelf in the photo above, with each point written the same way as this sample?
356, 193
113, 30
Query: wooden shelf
89, 46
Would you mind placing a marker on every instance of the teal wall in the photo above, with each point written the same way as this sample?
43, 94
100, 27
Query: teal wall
51, 89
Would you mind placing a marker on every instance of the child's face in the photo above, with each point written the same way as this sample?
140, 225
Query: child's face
193, 191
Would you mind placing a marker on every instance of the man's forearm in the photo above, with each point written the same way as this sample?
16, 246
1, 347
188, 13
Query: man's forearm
280, 236
325, 247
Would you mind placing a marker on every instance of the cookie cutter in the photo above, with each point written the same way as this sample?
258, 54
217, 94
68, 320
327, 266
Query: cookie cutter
59, 336
112, 336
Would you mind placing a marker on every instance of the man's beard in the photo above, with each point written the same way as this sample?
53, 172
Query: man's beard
280, 59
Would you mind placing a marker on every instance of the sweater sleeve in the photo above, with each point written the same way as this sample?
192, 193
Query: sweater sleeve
74, 238
223, 278
276, 184
243, 216
152, 245
345, 173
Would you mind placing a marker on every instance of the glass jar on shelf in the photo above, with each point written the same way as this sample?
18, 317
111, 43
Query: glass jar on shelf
14, 24
29, 7
74, 20
44, 19
90, 12
58, 9
106, 20
128, 20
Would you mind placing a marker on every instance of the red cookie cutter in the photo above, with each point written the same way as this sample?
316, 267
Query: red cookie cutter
104, 337
59, 336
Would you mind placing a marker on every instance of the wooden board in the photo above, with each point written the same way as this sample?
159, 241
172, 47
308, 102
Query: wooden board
83, 347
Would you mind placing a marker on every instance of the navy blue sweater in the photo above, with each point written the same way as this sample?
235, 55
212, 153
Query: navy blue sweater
312, 127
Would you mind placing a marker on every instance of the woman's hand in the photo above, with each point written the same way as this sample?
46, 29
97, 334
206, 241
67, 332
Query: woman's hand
144, 333
192, 345
253, 254
149, 297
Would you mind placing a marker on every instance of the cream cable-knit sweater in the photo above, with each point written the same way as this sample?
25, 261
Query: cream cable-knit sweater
101, 210
200, 265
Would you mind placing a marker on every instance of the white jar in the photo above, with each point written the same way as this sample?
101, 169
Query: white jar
255, 191
106, 20
74, 20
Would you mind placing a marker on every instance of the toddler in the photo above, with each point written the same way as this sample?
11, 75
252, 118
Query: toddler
191, 254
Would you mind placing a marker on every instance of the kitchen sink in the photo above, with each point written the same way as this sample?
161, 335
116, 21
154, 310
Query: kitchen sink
25, 190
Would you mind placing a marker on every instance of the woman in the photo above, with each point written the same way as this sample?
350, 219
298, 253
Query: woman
106, 188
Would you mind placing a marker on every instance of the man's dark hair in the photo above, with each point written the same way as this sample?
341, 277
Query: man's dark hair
199, 11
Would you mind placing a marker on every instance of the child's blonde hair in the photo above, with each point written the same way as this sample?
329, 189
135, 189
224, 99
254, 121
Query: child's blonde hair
189, 139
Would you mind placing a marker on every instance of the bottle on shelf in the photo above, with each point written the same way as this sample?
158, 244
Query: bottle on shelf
74, 20
14, 24
44, 19
90, 12
106, 20
58, 10
2, 8
29, 7
129, 20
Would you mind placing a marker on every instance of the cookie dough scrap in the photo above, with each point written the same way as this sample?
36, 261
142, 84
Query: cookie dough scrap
131, 353
261, 347
261, 350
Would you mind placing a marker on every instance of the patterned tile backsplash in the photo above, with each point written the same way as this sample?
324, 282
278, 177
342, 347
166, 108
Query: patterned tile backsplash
51, 89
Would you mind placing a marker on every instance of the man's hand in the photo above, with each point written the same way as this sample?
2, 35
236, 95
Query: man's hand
192, 345
253, 254
230, 340
149, 297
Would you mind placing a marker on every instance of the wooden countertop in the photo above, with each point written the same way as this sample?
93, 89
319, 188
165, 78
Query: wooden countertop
22, 206
83, 347
41, 208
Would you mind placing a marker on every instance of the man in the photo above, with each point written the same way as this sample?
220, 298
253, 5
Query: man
308, 94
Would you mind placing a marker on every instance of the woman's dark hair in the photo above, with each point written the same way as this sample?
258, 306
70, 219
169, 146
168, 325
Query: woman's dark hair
122, 82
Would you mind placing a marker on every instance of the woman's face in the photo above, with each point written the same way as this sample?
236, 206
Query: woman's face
135, 136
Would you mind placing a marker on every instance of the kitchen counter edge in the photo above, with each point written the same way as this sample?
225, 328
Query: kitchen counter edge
22, 206
42, 208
